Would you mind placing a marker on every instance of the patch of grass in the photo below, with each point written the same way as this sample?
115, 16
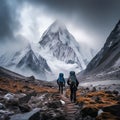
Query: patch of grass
20, 86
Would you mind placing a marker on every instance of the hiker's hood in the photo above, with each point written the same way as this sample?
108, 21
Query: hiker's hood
72, 73
61, 75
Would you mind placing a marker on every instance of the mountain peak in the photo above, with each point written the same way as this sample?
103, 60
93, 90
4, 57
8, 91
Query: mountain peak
57, 26
58, 22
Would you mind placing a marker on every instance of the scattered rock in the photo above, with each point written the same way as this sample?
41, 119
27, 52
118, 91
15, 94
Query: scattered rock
9, 96
62, 102
26, 98
88, 118
55, 104
12, 102
24, 108
100, 111
94, 89
31, 78
115, 92
88, 111
4, 117
52, 114
6, 112
108, 92
107, 116
96, 99
114, 109
33, 115
2, 106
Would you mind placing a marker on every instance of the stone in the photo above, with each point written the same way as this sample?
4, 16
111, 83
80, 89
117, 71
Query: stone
31, 78
114, 109
115, 92
12, 102
4, 117
96, 99
52, 114
94, 89
108, 92
32, 115
89, 111
55, 104
9, 96
24, 108
2, 106
107, 116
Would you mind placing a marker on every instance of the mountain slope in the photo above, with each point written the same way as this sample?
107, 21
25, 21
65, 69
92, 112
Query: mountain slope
26, 63
108, 58
62, 44
9, 74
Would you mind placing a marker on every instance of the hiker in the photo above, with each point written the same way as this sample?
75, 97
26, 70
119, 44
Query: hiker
73, 83
61, 82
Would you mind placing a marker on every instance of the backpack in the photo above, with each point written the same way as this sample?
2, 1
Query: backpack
61, 78
72, 80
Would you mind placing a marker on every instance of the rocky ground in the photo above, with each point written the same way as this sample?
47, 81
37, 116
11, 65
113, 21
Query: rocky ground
33, 100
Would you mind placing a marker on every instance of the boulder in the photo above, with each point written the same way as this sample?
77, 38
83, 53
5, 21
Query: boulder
33, 115
107, 116
93, 89
24, 108
114, 109
115, 92
52, 114
4, 114
27, 97
4, 117
89, 111
12, 102
2, 106
31, 78
55, 104
9, 96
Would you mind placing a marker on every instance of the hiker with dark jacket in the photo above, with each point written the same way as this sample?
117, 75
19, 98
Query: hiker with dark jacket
61, 82
73, 83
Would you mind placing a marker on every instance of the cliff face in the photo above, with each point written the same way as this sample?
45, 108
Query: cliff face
109, 56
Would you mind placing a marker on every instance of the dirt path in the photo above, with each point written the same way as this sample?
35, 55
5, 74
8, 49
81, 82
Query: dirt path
70, 109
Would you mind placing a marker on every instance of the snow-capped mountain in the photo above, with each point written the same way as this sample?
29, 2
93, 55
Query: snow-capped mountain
27, 63
108, 58
37, 65
57, 51
62, 44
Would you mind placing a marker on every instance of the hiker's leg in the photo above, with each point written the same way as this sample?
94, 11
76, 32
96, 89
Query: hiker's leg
71, 95
59, 87
74, 94
62, 88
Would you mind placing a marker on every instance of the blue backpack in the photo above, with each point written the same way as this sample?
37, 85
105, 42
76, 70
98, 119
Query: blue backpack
61, 78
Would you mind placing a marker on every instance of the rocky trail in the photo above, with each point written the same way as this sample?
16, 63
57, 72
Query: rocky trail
70, 109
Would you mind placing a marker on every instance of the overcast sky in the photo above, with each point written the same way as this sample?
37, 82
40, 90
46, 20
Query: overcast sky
89, 21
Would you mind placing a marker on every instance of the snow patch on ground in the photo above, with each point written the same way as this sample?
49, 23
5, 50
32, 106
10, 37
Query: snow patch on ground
96, 83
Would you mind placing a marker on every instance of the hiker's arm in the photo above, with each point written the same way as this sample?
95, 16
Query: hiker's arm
57, 81
64, 82
68, 81
77, 83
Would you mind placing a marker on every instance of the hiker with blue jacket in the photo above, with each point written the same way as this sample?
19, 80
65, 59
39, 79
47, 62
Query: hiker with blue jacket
61, 82
73, 83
